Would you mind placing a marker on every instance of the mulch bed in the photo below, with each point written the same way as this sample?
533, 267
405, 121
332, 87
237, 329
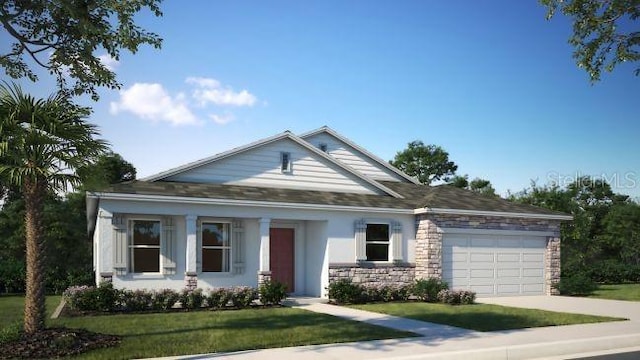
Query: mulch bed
56, 342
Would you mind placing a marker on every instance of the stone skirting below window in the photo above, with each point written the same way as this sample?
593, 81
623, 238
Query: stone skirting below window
371, 273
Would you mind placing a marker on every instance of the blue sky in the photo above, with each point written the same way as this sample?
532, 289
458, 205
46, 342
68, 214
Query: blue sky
492, 82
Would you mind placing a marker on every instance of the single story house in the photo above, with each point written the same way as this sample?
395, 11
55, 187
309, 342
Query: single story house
309, 209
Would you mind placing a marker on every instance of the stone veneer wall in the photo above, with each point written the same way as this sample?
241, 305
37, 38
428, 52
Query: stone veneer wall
429, 241
190, 280
373, 274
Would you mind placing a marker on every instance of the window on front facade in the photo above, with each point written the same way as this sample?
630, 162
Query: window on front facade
145, 246
377, 242
216, 247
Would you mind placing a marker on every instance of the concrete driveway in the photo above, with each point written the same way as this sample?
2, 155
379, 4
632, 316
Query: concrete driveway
615, 308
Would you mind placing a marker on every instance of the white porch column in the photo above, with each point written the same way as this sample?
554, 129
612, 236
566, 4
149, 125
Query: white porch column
192, 230
105, 248
265, 225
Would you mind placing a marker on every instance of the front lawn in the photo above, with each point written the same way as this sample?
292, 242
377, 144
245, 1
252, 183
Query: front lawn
629, 292
12, 308
481, 317
181, 333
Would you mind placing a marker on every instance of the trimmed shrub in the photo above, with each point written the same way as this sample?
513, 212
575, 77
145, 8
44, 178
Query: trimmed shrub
577, 284
243, 296
191, 299
344, 291
218, 298
428, 289
456, 297
89, 298
272, 292
164, 299
136, 300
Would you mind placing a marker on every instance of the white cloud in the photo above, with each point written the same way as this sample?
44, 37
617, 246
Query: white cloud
222, 119
211, 91
152, 102
108, 62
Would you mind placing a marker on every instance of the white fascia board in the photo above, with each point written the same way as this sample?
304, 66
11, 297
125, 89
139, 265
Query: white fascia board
254, 203
427, 210
359, 148
216, 157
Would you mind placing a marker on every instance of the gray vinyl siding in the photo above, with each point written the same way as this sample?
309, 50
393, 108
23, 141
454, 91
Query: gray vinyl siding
262, 167
352, 157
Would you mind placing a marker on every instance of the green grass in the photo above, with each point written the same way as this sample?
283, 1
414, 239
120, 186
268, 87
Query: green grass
481, 317
12, 308
181, 333
629, 292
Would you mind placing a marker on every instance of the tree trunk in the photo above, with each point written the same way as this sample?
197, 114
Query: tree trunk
34, 309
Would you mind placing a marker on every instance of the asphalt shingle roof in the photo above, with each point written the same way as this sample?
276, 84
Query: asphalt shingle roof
415, 196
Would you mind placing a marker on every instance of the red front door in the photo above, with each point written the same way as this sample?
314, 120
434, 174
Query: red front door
281, 256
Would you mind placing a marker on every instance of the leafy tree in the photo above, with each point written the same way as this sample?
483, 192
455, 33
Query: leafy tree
41, 143
110, 168
63, 36
622, 233
427, 163
459, 181
599, 35
480, 186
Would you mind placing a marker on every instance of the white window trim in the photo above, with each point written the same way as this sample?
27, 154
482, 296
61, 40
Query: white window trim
388, 242
288, 168
131, 247
201, 247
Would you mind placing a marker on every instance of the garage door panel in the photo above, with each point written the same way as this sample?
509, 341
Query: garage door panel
533, 272
482, 274
532, 257
482, 289
494, 264
508, 257
531, 289
479, 257
509, 272
508, 289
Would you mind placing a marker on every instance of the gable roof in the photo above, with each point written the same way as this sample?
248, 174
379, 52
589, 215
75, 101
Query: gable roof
360, 149
285, 135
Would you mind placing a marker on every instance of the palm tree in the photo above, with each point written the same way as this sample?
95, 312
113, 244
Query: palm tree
42, 142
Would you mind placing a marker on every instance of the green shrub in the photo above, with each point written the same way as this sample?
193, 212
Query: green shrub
191, 299
218, 298
243, 296
614, 272
344, 291
88, 298
164, 299
136, 300
272, 292
428, 289
577, 284
456, 297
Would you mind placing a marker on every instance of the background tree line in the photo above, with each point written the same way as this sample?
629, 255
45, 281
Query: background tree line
68, 247
601, 244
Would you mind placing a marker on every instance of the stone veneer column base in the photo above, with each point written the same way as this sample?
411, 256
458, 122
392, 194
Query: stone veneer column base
552, 266
191, 280
263, 276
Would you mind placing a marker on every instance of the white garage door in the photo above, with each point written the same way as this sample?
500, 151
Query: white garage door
493, 265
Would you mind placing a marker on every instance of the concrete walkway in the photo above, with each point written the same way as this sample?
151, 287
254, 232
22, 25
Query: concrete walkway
445, 342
